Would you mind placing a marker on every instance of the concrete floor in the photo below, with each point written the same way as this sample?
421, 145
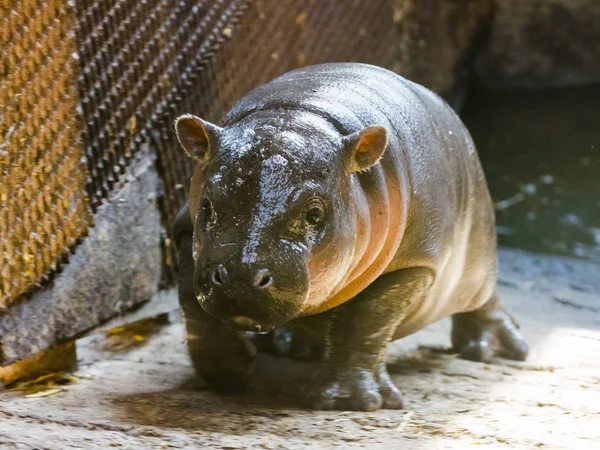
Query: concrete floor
138, 390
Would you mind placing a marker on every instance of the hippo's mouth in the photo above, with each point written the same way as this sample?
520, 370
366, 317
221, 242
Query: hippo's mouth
242, 323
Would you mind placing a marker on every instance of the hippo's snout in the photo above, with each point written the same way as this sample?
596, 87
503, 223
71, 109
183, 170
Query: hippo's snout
252, 296
261, 279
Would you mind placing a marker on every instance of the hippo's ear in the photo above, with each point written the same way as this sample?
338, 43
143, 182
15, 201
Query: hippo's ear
196, 136
365, 147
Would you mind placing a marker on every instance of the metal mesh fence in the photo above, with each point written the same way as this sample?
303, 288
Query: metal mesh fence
43, 201
85, 86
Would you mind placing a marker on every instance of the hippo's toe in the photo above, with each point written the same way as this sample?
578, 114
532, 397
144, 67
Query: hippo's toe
355, 390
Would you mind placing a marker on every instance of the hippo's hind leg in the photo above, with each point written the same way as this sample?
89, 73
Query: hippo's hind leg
486, 332
221, 356
353, 373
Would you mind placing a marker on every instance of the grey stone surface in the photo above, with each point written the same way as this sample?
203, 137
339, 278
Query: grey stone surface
116, 267
542, 44
146, 396
438, 40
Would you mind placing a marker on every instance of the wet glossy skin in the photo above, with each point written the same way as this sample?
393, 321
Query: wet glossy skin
345, 193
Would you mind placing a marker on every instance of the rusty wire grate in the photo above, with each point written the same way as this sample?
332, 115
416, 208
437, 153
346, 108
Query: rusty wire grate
43, 201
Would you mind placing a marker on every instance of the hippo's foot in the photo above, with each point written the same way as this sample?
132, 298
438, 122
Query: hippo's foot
226, 378
355, 389
225, 364
487, 332
226, 382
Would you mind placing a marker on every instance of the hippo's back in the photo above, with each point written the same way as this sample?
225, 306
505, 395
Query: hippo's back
350, 95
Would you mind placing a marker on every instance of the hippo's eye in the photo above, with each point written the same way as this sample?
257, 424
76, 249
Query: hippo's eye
315, 212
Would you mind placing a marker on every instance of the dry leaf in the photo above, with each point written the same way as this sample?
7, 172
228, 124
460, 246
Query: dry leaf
116, 330
45, 393
83, 375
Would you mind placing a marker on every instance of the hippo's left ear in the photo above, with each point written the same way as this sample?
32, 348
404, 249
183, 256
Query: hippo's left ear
197, 137
365, 147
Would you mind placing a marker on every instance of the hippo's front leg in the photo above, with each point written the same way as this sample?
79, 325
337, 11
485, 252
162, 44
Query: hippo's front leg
353, 373
221, 356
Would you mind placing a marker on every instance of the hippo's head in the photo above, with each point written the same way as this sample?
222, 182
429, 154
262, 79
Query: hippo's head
275, 225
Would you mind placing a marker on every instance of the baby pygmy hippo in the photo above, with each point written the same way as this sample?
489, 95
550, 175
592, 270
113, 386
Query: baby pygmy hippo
347, 204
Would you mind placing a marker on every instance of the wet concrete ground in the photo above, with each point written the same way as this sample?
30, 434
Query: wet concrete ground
143, 395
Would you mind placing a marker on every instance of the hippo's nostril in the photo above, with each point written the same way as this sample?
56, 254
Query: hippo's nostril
263, 279
219, 275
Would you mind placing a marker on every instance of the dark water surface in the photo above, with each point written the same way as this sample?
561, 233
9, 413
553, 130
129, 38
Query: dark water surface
541, 154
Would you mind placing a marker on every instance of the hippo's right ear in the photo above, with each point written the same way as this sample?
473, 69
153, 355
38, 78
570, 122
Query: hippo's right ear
197, 137
364, 148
